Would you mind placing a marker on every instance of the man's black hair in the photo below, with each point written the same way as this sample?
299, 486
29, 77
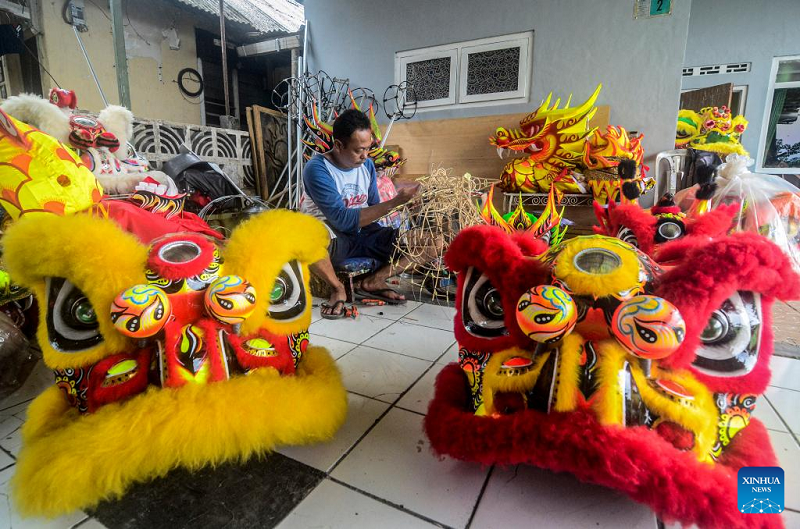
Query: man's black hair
348, 122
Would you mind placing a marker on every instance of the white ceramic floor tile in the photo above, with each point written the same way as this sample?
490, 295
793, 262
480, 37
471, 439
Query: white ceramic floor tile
785, 372
10, 518
361, 414
9, 424
394, 462
41, 378
19, 411
791, 519
379, 374
432, 316
390, 312
789, 459
787, 403
13, 441
677, 525
412, 340
5, 460
421, 393
349, 329
766, 414
450, 356
531, 497
337, 348
335, 506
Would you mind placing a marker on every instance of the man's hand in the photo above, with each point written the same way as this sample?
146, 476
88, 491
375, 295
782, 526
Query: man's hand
373, 213
406, 193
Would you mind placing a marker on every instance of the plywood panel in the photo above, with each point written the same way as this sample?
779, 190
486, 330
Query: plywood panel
461, 144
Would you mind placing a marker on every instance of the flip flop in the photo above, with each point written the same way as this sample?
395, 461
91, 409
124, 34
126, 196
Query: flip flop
332, 315
379, 294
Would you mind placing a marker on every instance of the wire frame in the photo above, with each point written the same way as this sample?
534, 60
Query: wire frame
445, 205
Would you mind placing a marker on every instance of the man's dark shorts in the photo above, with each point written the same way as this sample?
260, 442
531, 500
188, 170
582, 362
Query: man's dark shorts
373, 241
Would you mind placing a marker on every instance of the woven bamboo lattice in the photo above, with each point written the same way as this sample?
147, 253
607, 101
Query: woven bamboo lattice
445, 205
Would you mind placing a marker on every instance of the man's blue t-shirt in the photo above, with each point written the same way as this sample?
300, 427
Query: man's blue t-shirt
335, 195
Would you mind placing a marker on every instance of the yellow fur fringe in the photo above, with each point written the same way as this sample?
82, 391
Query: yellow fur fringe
625, 277
569, 363
94, 254
698, 415
496, 382
71, 462
257, 250
608, 402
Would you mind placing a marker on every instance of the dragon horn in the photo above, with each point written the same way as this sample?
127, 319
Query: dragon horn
373, 121
589, 102
490, 215
545, 104
353, 99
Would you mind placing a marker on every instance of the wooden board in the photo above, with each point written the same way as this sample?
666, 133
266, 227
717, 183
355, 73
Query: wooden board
461, 144
257, 171
713, 96
270, 151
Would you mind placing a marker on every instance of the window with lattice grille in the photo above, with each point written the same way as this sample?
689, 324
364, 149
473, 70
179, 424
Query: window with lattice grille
485, 71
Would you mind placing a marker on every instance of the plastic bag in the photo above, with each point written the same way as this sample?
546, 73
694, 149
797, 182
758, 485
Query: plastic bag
768, 204
387, 191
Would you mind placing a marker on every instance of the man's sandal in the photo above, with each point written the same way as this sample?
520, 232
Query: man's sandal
332, 313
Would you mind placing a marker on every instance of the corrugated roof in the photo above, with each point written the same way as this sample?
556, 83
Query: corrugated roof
268, 16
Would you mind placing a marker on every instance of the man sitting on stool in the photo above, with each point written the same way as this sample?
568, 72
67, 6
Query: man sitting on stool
341, 189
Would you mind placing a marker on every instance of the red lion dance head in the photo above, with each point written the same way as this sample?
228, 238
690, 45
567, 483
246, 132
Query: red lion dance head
593, 358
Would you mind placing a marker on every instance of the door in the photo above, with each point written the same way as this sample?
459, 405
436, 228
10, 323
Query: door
713, 96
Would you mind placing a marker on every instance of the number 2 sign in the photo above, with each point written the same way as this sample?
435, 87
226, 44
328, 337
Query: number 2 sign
651, 8
660, 7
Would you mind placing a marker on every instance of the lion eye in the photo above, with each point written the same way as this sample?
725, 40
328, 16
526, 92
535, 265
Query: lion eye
288, 295
72, 324
482, 310
732, 337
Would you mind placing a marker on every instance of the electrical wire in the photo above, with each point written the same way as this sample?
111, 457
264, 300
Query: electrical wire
130, 24
100, 8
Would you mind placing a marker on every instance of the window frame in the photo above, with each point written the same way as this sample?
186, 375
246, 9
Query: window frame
459, 70
743, 99
409, 57
762, 138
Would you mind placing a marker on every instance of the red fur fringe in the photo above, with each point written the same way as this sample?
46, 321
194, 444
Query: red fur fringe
636, 461
711, 271
715, 223
631, 216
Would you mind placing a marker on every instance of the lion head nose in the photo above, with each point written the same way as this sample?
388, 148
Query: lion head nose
141, 311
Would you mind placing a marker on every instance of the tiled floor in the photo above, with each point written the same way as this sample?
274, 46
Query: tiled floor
379, 471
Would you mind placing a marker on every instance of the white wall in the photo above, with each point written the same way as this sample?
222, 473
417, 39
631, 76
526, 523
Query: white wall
577, 44
742, 31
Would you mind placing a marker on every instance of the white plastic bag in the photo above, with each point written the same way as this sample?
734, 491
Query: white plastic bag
768, 204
